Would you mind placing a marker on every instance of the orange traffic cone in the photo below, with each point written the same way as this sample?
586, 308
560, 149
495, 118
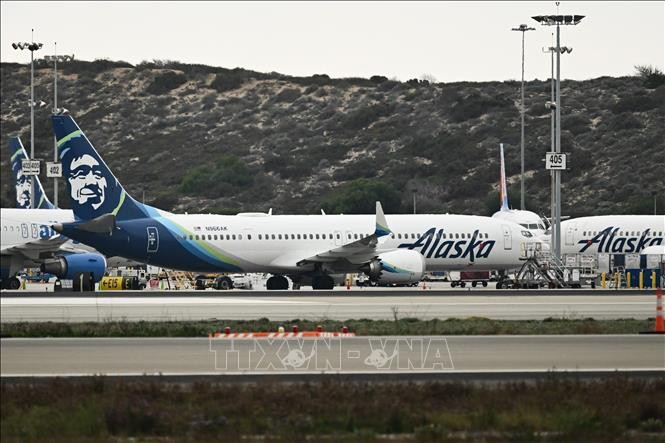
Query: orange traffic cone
660, 325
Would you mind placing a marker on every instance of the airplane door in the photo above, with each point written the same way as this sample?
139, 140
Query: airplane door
35, 230
24, 230
507, 238
338, 238
153, 239
570, 236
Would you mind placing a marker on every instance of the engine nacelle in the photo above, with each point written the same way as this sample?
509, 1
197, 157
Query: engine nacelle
67, 266
400, 267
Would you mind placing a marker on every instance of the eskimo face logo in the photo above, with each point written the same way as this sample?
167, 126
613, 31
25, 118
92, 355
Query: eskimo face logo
22, 189
86, 181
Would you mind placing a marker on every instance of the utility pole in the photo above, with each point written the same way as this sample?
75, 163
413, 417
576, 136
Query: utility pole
523, 28
32, 47
558, 20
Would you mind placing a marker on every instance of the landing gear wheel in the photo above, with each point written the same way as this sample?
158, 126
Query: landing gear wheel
277, 283
323, 282
474, 284
462, 284
484, 284
14, 283
453, 284
499, 285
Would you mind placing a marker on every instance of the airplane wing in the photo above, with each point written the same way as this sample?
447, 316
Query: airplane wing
357, 252
35, 249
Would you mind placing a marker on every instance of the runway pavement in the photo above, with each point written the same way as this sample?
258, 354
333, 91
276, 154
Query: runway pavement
287, 306
358, 355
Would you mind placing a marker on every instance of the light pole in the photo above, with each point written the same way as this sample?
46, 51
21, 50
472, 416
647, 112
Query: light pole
32, 47
551, 105
523, 28
557, 20
56, 58
413, 191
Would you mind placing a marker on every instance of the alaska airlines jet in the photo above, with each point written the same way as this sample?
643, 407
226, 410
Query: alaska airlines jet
29, 241
390, 249
614, 234
530, 220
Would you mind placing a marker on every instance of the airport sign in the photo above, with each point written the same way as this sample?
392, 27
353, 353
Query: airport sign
30, 167
555, 160
53, 169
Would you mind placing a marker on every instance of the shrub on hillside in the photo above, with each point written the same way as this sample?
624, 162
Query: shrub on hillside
166, 82
359, 197
214, 180
228, 81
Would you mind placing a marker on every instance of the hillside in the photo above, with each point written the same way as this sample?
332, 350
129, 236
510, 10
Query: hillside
199, 138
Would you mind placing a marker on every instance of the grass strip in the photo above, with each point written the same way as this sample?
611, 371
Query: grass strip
404, 326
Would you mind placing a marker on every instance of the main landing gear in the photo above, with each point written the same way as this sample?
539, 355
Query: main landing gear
277, 283
323, 282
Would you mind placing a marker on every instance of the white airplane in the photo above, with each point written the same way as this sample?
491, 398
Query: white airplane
29, 241
614, 234
390, 249
529, 220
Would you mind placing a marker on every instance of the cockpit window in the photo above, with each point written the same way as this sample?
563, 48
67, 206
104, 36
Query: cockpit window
527, 234
524, 225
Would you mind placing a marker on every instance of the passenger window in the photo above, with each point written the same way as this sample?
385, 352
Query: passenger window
355, 236
260, 237
249, 236
239, 236
293, 236
443, 235
323, 236
392, 235
234, 236
228, 237
196, 236
317, 236
191, 237
279, 236
209, 236
298, 236
272, 236
338, 237
215, 237
399, 236
456, 235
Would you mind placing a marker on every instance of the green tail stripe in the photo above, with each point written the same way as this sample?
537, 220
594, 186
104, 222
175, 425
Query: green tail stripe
67, 137
15, 154
122, 200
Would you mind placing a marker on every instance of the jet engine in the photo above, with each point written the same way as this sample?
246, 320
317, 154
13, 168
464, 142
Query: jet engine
68, 266
400, 267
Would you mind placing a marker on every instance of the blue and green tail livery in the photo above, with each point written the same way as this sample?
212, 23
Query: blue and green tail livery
22, 182
92, 187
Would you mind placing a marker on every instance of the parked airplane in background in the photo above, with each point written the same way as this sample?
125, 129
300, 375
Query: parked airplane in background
390, 249
29, 241
22, 182
530, 220
618, 234
614, 234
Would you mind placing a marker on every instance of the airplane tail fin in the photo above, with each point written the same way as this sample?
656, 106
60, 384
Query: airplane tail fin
92, 187
381, 228
503, 190
22, 182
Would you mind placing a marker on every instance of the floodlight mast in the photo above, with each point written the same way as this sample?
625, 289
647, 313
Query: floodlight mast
522, 28
32, 47
557, 20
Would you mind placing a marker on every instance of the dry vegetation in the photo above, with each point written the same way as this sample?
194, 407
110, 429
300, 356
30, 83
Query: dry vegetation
179, 132
554, 409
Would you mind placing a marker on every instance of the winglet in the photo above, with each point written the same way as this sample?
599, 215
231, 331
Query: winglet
381, 223
503, 191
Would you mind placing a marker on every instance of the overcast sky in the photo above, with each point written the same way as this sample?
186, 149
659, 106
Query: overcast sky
451, 41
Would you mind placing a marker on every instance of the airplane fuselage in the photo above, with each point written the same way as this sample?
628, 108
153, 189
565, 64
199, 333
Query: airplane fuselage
277, 244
